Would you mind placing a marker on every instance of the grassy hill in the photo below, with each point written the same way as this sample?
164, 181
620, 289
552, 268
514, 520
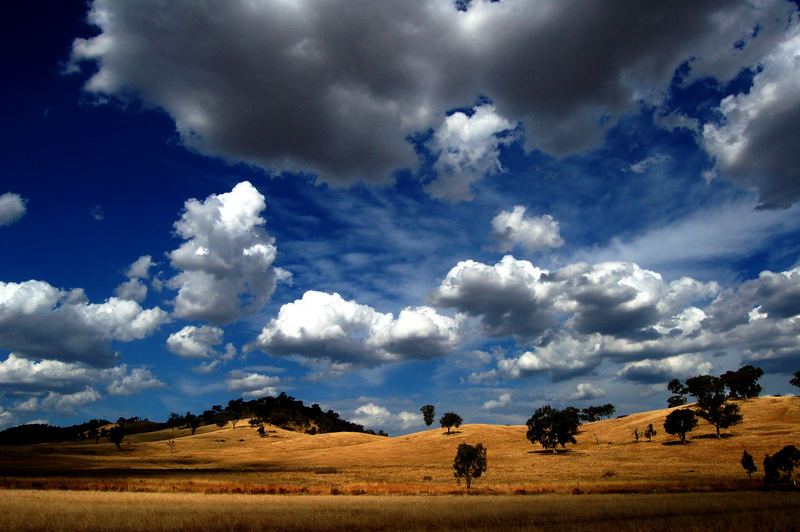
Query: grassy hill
226, 459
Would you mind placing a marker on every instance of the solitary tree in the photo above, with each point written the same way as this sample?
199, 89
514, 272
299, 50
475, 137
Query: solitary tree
427, 414
551, 427
743, 383
470, 462
712, 404
115, 435
748, 465
450, 419
780, 467
650, 432
192, 421
679, 392
636, 434
679, 422
795, 379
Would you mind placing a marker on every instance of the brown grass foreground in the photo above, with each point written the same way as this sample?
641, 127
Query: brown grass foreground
239, 461
65, 510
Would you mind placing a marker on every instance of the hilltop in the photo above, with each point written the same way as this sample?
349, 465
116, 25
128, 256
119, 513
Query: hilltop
228, 459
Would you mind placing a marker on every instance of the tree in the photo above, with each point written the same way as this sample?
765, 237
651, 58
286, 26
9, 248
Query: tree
650, 432
175, 421
235, 410
115, 436
192, 421
743, 383
780, 466
795, 379
427, 414
470, 462
679, 422
450, 419
712, 402
679, 392
551, 427
748, 465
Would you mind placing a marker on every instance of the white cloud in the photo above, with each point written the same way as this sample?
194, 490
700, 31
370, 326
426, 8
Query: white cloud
512, 228
468, 148
500, 402
251, 384
26, 376
12, 208
195, 342
40, 321
98, 213
132, 289
326, 326
755, 144
354, 83
586, 391
68, 403
719, 233
376, 417
226, 259
645, 164
134, 382
140, 269
6, 418
651, 371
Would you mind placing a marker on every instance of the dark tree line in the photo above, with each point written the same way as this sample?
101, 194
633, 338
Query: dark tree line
41, 433
595, 413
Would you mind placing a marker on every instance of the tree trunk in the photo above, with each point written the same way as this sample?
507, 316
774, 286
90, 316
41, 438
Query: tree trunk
717, 427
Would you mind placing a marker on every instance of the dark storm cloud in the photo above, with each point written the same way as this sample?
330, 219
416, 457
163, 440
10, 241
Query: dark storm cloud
333, 90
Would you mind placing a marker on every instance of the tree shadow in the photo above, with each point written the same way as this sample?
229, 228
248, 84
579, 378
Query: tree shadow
712, 436
452, 432
549, 452
677, 442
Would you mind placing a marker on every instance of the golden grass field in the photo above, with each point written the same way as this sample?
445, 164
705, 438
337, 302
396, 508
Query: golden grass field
616, 475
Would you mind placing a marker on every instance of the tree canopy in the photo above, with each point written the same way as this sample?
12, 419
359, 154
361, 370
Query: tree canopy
428, 414
450, 420
679, 422
743, 383
551, 427
469, 463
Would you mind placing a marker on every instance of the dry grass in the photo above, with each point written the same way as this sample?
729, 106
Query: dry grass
54, 510
239, 461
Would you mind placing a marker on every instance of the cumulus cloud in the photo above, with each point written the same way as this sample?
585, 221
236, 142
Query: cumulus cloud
512, 227
312, 87
586, 391
140, 269
653, 371
374, 416
62, 403
326, 326
25, 376
12, 208
251, 384
134, 382
195, 342
132, 289
225, 263
500, 402
38, 320
621, 312
755, 144
468, 148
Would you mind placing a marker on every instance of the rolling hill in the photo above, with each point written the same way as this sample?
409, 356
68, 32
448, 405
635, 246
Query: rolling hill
227, 459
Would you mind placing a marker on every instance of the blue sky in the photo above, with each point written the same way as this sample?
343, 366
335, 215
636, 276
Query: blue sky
487, 206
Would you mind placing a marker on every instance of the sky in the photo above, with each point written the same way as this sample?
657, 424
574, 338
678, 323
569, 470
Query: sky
373, 206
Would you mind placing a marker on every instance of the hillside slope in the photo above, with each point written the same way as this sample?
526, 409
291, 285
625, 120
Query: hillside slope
423, 461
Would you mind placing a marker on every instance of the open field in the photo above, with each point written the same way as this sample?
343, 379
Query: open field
239, 461
66, 510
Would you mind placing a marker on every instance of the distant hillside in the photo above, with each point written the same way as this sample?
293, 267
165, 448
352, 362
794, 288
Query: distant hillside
282, 411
